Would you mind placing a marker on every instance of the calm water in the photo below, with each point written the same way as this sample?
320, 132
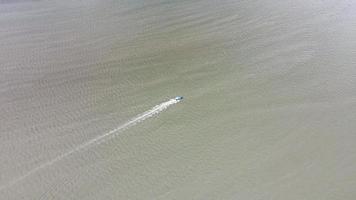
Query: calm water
269, 109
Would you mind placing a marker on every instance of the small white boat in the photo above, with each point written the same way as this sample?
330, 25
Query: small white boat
178, 98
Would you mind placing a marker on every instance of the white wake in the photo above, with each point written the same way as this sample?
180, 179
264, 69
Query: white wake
102, 138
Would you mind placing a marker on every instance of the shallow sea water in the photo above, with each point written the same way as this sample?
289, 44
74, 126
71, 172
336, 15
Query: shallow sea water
269, 107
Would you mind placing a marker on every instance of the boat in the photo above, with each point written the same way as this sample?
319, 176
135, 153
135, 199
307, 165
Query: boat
178, 98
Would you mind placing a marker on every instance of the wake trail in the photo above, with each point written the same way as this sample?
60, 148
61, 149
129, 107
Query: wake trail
97, 140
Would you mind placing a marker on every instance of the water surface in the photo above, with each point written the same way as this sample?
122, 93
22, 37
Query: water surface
269, 108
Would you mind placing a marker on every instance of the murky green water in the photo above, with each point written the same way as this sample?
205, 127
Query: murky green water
269, 108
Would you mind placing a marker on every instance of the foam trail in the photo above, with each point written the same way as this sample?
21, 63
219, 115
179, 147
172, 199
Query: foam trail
155, 110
